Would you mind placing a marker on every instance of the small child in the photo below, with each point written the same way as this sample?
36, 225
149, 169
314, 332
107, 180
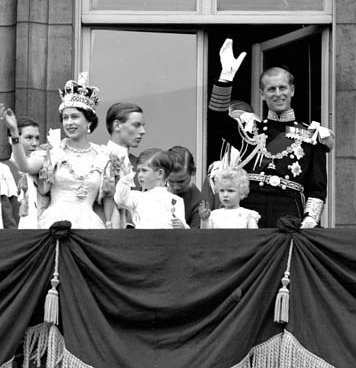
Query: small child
154, 207
232, 185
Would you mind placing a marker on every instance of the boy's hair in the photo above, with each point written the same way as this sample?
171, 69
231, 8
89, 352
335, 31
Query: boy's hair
239, 176
25, 121
157, 158
120, 111
184, 160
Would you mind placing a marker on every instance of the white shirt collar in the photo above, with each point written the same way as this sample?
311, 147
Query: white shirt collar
117, 149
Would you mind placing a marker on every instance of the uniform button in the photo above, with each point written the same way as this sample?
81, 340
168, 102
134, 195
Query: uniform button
295, 123
284, 187
291, 156
265, 128
261, 184
265, 121
286, 177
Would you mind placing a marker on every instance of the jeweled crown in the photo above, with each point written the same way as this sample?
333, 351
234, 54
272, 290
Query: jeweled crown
78, 94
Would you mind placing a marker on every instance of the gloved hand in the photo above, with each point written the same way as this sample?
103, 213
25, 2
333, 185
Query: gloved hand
229, 64
308, 223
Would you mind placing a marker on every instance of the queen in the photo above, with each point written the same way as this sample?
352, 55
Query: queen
72, 171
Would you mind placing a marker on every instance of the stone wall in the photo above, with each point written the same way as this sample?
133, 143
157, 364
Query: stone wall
345, 110
36, 58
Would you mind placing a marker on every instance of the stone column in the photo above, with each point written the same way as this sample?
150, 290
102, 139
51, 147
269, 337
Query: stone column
44, 58
345, 113
7, 65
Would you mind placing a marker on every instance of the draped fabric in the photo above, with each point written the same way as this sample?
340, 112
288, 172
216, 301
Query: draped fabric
177, 298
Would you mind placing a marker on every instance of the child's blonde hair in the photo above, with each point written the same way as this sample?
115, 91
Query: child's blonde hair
239, 176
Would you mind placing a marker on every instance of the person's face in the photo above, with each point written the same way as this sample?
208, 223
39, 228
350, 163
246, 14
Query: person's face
228, 193
277, 92
132, 131
75, 124
148, 177
30, 139
179, 181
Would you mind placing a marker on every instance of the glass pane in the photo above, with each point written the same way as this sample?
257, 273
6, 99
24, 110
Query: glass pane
272, 5
168, 5
154, 70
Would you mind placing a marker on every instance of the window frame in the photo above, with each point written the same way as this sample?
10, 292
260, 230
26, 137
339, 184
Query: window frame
206, 13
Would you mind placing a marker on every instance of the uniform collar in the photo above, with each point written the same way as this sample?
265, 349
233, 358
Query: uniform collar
286, 116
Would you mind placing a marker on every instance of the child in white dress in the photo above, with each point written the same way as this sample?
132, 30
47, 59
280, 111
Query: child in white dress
232, 185
154, 207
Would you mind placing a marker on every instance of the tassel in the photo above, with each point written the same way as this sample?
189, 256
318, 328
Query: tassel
281, 308
51, 309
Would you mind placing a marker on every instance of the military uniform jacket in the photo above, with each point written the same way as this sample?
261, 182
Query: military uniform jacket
274, 149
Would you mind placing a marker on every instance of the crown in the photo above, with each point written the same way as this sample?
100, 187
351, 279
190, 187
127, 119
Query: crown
78, 94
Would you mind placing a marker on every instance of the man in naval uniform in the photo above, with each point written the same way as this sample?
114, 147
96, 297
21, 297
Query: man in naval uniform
285, 160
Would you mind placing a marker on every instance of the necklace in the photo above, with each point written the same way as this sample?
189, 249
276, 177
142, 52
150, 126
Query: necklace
81, 191
79, 152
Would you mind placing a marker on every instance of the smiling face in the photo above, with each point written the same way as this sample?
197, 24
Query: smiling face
30, 138
228, 193
149, 177
132, 131
75, 124
277, 92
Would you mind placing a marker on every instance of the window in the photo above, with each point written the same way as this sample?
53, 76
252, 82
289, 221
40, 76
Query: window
156, 70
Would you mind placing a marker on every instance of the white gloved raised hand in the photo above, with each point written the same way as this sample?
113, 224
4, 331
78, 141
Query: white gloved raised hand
230, 65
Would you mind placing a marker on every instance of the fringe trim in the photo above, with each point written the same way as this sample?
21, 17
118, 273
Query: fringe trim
294, 355
55, 347
282, 351
35, 344
47, 338
265, 355
8, 364
70, 361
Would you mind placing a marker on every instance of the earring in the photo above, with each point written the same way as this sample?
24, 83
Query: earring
88, 129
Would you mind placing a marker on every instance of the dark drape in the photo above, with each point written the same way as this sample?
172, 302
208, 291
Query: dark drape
177, 298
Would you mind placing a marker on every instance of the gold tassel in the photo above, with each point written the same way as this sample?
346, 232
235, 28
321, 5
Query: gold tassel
281, 308
51, 309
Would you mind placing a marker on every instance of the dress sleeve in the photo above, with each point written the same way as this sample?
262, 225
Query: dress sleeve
252, 219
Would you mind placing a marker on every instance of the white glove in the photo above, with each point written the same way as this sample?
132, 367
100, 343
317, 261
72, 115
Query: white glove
229, 64
308, 223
